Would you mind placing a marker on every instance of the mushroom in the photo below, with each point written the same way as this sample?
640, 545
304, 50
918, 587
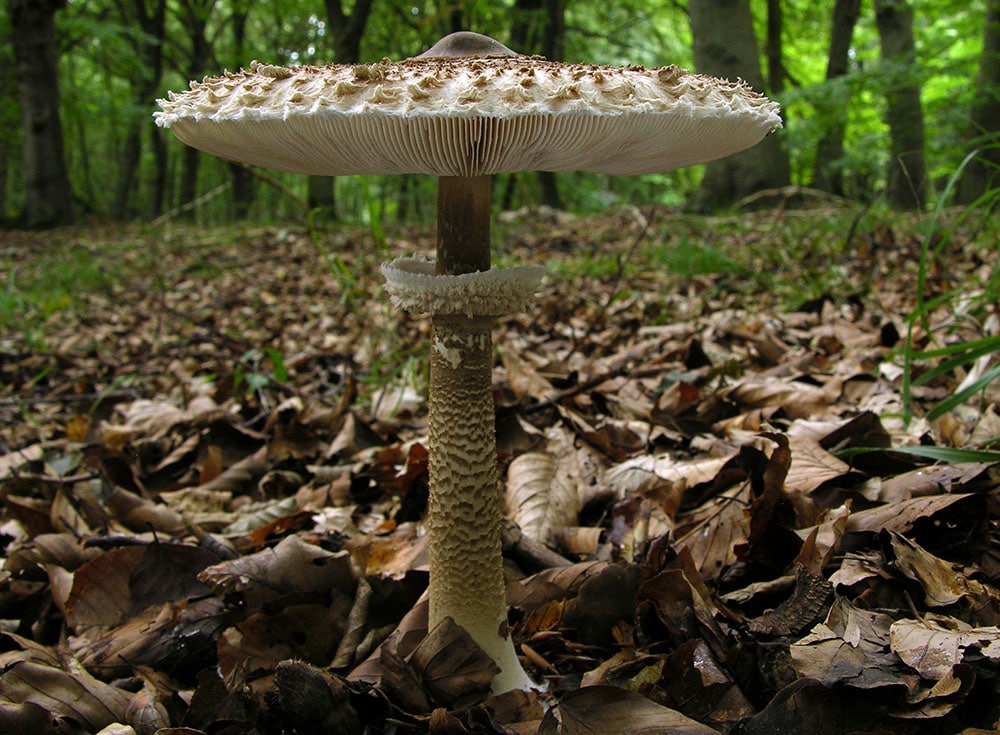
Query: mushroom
467, 108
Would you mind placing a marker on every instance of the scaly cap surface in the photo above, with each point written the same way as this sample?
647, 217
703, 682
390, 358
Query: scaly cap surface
467, 115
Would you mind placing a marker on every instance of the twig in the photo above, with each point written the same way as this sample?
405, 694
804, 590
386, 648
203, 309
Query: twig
50, 480
612, 293
593, 382
188, 206
78, 398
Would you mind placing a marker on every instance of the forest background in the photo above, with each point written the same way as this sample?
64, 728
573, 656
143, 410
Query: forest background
882, 100
790, 408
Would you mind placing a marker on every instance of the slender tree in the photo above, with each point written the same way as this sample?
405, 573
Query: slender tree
725, 46
9, 122
539, 27
48, 195
983, 173
150, 17
347, 29
829, 174
906, 186
775, 47
244, 185
194, 16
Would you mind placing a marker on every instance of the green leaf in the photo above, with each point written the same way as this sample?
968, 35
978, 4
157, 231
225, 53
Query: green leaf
280, 369
961, 354
963, 395
942, 454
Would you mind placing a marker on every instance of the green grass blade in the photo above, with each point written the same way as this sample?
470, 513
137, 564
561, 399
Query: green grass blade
963, 395
939, 454
962, 354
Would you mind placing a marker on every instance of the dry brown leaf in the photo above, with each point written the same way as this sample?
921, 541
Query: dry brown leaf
124, 581
11, 461
951, 478
713, 532
151, 418
812, 466
850, 647
629, 476
254, 517
682, 603
935, 644
140, 514
239, 477
942, 582
28, 717
537, 500
291, 572
453, 668
100, 596
378, 607
524, 380
857, 567
552, 584
303, 632
797, 398
900, 517
169, 637
70, 693
391, 555
613, 711
578, 541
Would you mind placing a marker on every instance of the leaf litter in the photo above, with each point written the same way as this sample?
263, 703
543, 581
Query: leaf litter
214, 483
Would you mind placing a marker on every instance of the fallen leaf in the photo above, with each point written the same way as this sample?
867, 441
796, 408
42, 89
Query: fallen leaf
292, 572
851, 647
452, 667
70, 693
943, 584
612, 711
935, 644
537, 500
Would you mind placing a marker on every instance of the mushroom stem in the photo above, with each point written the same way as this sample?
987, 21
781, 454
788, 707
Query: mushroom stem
466, 509
463, 242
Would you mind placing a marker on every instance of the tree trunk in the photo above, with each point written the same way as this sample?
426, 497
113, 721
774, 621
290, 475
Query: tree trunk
49, 195
151, 19
347, 30
244, 183
9, 138
775, 48
539, 27
160, 175
725, 46
829, 174
906, 186
195, 15
983, 173
321, 197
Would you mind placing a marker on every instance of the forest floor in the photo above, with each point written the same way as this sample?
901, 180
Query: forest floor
214, 479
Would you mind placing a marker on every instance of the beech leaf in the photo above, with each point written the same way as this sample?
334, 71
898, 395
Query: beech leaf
612, 711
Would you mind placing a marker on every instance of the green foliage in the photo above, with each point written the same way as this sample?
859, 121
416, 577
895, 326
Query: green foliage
100, 41
45, 286
690, 257
936, 454
953, 356
258, 368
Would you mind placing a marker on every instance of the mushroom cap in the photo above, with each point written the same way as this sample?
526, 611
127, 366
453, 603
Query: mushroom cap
467, 107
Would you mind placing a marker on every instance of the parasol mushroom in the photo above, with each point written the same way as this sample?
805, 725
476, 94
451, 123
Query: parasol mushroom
467, 108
